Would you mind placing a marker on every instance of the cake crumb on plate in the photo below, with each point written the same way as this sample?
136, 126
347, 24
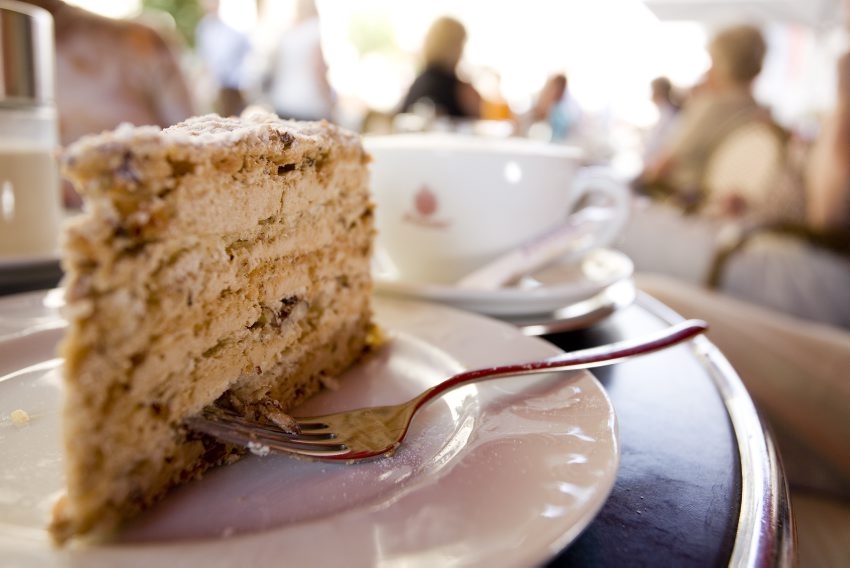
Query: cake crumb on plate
20, 417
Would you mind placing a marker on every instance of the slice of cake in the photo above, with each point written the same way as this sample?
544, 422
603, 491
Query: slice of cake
219, 260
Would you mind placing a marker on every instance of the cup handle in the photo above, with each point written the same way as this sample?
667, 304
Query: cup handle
584, 229
605, 201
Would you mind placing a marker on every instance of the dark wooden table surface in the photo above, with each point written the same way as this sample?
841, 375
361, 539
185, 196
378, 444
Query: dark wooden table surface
683, 496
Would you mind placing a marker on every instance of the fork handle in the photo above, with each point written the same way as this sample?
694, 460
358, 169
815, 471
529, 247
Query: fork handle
581, 359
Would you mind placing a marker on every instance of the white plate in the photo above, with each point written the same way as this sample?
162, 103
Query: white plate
499, 473
547, 290
20, 314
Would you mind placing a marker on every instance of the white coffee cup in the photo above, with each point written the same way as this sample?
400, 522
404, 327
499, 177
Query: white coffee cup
448, 204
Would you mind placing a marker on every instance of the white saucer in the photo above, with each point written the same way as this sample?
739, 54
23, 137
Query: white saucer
543, 292
502, 473
580, 315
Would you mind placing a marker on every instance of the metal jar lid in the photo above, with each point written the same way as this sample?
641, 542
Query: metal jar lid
26, 55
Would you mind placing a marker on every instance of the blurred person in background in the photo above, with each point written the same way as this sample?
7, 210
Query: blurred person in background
111, 71
554, 116
667, 103
298, 86
223, 51
438, 85
722, 104
827, 172
791, 253
564, 114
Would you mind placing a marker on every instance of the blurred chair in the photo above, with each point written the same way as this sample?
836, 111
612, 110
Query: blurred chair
746, 165
744, 186
827, 243
788, 269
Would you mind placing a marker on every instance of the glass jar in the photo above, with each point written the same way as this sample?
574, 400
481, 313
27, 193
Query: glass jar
30, 191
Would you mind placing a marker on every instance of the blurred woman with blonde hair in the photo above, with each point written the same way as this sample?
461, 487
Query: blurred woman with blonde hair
438, 83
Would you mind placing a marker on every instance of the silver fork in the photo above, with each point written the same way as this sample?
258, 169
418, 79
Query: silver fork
369, 432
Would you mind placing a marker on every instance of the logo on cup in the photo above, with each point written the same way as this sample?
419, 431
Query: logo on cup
425, 205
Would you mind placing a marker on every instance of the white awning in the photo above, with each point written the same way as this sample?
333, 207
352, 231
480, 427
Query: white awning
820, 14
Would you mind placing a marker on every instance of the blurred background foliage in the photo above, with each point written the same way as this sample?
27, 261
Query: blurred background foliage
186, 15
372, 32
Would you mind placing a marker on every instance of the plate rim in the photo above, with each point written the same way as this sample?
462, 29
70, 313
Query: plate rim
606, 482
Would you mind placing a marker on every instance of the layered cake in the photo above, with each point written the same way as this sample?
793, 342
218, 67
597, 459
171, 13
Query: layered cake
219, 261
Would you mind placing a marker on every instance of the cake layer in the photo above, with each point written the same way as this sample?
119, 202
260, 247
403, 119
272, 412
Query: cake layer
219, 260
130, 176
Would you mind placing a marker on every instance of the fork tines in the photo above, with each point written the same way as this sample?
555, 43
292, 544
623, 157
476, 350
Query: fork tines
262, 438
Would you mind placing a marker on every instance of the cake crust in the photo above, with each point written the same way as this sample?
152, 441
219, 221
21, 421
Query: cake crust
217, 260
